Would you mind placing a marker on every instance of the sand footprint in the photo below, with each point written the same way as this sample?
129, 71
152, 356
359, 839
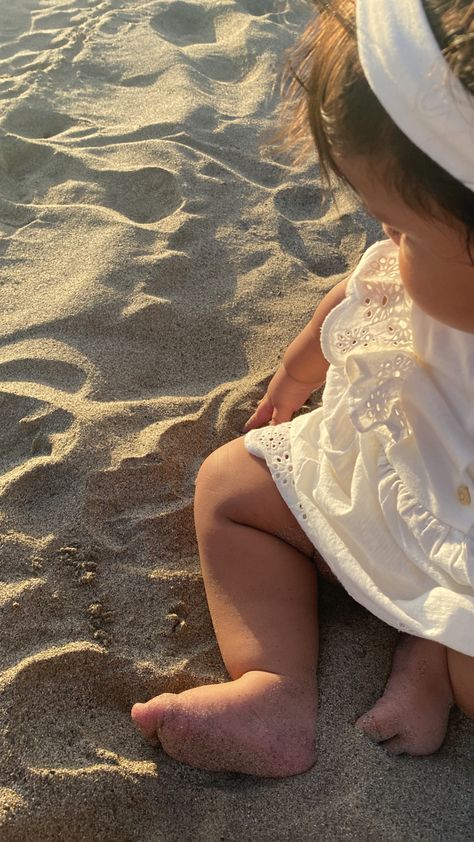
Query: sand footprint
46, 20
184, 23
319, 249
302, 202
258, 7
50, 372
145, 195
37, 122
191, 27
220, 67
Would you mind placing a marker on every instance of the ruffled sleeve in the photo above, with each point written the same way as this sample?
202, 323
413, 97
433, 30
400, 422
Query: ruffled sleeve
368, 336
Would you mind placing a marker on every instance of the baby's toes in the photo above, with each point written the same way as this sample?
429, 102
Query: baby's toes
149, 717
401, 731
380, 723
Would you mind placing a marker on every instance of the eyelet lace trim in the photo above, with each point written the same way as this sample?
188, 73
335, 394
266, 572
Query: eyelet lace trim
379, 312
374, 395
273, 444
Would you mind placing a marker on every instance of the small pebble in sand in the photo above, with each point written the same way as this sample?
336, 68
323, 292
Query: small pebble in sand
67, 550
36, 565
87, 578
102, 637
173, 624
179, 608
95, 609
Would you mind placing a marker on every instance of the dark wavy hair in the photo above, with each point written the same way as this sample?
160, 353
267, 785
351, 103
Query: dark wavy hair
327, 101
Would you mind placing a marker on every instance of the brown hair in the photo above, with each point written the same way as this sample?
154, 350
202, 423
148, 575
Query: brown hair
327, 92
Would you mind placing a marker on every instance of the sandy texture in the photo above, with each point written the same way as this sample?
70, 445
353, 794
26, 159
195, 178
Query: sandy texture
154, 263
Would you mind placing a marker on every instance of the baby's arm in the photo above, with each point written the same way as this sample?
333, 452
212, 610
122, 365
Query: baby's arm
303, 369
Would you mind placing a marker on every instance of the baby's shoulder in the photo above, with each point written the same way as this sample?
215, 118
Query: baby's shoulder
375, 312
375, 289
378, 267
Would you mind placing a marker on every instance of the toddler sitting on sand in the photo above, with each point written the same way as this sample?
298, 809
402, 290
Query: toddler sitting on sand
379, 480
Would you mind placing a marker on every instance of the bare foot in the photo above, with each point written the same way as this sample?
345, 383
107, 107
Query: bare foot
412, 715
259, 724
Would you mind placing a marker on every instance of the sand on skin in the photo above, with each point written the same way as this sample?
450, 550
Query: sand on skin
154, 264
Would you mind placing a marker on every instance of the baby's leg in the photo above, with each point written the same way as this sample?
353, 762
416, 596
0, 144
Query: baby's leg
261, 588
461, 673
412, 714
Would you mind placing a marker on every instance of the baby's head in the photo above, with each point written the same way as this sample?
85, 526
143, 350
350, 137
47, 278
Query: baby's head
328, 90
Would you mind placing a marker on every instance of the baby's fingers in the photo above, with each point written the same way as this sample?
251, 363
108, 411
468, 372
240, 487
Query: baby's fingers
260, 417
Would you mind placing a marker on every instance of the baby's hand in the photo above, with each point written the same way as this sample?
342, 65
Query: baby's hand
283, 398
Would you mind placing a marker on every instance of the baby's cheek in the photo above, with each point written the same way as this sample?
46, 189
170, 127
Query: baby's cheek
426, 282
415, 278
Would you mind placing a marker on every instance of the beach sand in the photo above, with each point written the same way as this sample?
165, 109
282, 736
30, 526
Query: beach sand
155, 261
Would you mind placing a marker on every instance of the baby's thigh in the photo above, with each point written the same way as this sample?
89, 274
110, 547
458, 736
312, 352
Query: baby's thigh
461, 673
235, 484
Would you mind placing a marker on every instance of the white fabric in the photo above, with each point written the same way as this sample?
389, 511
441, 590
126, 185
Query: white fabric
408, 74
381, 477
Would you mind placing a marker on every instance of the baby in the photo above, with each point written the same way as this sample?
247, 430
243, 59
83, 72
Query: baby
379, 480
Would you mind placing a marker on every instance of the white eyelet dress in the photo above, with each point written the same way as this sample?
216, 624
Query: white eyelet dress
381, 476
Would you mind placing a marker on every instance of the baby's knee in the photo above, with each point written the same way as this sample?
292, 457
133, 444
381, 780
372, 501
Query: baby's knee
226, 482
214, 478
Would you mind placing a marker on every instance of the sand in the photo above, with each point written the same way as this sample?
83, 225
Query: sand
154, 264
